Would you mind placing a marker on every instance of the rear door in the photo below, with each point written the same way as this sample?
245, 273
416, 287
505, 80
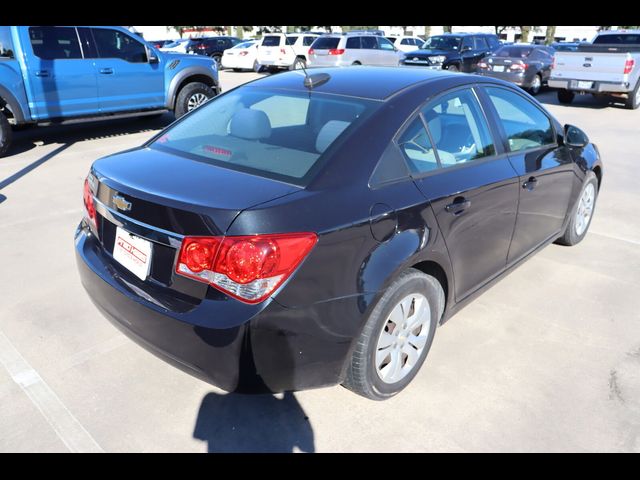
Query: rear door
545, 169
126, 79
472, 187
60, 82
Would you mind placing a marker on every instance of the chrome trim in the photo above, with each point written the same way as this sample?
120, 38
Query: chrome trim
148, 232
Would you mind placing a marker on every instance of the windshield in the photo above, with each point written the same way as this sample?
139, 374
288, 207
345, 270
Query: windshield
518, 52
442, 43
277, 134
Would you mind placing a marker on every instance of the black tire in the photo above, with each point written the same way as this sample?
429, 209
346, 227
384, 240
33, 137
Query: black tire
570, 236
218, 58
189, 90
533, 90
299, 63
565, 96
453, 68
6, 134
633, 101
257, 67
356, 63
237, 69
362, 377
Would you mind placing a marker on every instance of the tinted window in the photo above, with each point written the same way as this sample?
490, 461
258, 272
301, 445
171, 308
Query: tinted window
525, 125
442, 43
271, 41
480, 43
493, 42
406, 41
326, 43
467, 42
292, 40
51, 43
116, 44
518, 52
385, 44
87, 43
266, 132
622, 38
369, 42
6, 45
353, 42
417, 149
458, 128
308, 41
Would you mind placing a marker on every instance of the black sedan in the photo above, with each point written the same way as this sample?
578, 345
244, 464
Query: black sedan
525, 65
304, 231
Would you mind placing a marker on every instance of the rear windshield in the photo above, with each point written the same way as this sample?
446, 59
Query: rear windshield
326, 43
6, 47
620, 38
518, 52
271, 41
277, 134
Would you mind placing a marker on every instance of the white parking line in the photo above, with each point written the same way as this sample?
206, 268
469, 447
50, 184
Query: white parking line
615, 237
67, 427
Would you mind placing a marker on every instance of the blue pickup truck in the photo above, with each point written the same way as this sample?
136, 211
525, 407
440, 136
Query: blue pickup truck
64, 74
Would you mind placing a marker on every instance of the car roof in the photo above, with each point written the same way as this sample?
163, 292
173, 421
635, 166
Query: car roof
375, 83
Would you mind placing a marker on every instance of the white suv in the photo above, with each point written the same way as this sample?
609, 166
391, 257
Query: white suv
277, 50
405, 43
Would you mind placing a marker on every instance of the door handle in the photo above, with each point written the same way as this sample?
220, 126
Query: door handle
106, 71
458, 206
42, 73
530, 184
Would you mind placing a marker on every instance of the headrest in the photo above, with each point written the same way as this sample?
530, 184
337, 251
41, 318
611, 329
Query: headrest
329, 133
250, 124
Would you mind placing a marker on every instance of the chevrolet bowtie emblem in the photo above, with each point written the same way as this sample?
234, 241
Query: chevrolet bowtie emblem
121, 204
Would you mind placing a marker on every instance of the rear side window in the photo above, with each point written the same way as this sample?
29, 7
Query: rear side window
55, 43
292, 40
417, 148
480, 43
622, 38
353, 42
326, 43
458, 128
271, 133
308, 41
525, 125
116, 44
271, 41
6, 45
369, 42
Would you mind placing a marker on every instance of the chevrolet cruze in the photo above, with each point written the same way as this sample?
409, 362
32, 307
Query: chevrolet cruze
306, 230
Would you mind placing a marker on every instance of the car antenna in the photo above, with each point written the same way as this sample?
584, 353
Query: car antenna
310, 81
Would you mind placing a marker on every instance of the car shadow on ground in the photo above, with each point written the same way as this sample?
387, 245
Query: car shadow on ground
29, 138
253, 423
32, 166
550, 97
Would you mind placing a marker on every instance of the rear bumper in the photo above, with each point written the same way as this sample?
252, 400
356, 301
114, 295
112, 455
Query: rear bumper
597, 87
234, 346
516, 78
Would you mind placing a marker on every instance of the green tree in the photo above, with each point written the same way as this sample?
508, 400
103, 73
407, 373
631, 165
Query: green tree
447, 29
524, 34
551, 33
500, 29
427, 31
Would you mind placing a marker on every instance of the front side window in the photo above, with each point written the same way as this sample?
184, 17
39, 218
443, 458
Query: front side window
480, 43
467, 43
525, 125
385, 44
458, 128
55, 43
442, 43
116, 44
6, 45
493, 42
269, 133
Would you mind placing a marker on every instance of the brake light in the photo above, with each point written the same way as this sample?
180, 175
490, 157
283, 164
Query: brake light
553, 63
89, 205
312, 51
519, 66
628, 65
202, 46
242, 54
249, 268
336, 51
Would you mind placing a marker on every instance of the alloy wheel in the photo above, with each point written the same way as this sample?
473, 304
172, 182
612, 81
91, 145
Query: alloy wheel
196, 100
585, 209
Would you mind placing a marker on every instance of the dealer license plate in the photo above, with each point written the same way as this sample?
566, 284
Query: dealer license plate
133, 252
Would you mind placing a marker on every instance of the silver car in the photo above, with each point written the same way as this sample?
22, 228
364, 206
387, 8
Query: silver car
336, 50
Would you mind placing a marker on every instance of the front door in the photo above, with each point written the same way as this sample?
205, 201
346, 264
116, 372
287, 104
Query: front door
472, 190
545, 169
61, 83
126, 79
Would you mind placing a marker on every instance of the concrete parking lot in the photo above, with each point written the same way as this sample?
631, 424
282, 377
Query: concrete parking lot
547, 360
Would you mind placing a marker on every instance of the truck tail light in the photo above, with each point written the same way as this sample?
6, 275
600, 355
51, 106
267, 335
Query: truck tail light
553, 63
89, 206
248, 268
628, 65
336, 51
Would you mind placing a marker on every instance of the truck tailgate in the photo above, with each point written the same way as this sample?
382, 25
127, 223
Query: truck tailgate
602, 67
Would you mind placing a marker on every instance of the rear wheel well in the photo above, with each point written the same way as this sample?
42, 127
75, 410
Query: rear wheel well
435, 270
193, 78
598, 171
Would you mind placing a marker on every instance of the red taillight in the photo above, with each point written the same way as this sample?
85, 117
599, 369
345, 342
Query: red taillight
553, 63
283, 51
336, 51
89, 206
249, 268
519, 66
628, 65
242, 54
311, 51
202, 46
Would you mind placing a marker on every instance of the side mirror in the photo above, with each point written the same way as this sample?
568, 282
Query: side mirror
152, 56
574, 137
